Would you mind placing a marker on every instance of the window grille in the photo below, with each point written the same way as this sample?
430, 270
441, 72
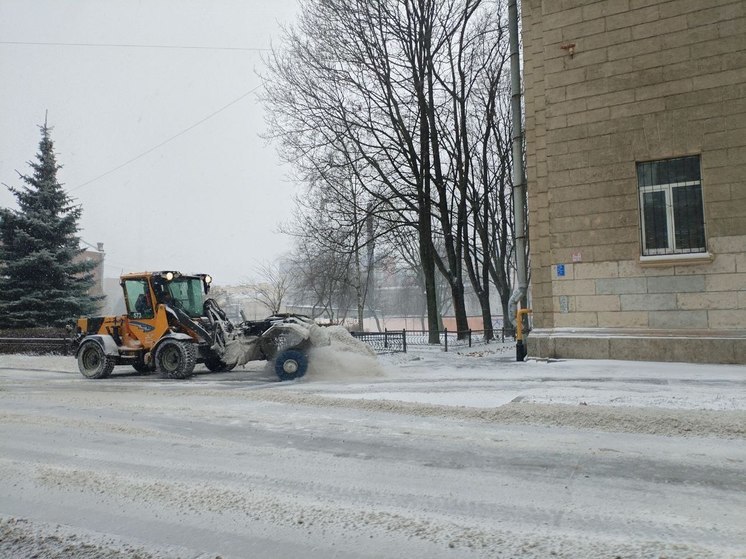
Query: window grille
671, 208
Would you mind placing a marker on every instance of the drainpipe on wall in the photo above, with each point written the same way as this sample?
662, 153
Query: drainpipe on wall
519, 173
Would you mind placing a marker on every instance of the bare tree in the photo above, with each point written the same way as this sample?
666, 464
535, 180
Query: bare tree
320, 280
335, 218
335, 85
272, 286
385, 87
498, 223
487, 229
469, 75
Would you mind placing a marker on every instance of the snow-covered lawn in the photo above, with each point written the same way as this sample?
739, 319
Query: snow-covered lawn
424, 454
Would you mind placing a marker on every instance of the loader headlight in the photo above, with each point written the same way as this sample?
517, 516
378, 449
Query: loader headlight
208, 279
169, 276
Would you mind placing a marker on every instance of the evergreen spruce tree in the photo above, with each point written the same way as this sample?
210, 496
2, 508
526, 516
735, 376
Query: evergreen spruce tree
42, 283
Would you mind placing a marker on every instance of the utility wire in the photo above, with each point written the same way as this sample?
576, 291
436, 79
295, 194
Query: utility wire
166, 141
132, 46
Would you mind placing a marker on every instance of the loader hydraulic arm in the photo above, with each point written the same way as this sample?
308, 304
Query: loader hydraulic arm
186, 322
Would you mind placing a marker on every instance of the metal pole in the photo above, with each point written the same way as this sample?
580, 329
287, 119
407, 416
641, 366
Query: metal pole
519, 173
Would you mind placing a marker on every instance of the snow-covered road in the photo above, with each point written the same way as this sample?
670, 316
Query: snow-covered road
427, 455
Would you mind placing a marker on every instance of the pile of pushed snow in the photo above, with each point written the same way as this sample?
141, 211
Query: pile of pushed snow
23, 538
335, 354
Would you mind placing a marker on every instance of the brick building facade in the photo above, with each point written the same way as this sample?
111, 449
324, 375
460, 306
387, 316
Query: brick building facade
636, 152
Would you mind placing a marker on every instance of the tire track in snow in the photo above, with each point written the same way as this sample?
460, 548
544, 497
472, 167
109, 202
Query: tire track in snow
302, 514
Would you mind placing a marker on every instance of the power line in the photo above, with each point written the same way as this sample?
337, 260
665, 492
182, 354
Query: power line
131, 46
166, 141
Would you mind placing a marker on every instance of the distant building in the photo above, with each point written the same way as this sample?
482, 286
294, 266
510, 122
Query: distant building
97, 257
636, 151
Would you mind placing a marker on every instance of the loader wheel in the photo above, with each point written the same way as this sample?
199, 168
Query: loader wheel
93, 362
217, 365
175, 359
291, 364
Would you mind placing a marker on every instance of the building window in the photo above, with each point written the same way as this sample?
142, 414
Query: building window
671, 209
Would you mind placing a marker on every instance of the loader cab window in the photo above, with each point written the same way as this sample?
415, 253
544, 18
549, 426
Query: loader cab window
137, 297
187, 294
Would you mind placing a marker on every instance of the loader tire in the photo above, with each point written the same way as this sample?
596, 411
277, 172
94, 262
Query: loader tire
217, 365
93, 362
176, 359
291, 364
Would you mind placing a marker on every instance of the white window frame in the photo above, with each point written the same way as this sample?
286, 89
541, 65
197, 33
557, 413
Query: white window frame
667, 189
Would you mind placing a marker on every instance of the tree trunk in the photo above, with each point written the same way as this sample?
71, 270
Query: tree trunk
459, 308
428, 273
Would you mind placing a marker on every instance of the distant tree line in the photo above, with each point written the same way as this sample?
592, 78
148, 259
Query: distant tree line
42, 282
395, 116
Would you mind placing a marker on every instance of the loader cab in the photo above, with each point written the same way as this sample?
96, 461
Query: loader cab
144, 292
184, 292
138, 298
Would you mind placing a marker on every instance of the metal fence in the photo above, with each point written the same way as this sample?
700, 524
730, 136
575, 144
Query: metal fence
394, 341
397, 341
39, 346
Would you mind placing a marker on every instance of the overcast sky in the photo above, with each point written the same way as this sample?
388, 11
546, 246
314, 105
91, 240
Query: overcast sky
209, 200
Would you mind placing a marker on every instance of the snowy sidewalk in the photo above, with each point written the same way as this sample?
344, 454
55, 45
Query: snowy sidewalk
489, 376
